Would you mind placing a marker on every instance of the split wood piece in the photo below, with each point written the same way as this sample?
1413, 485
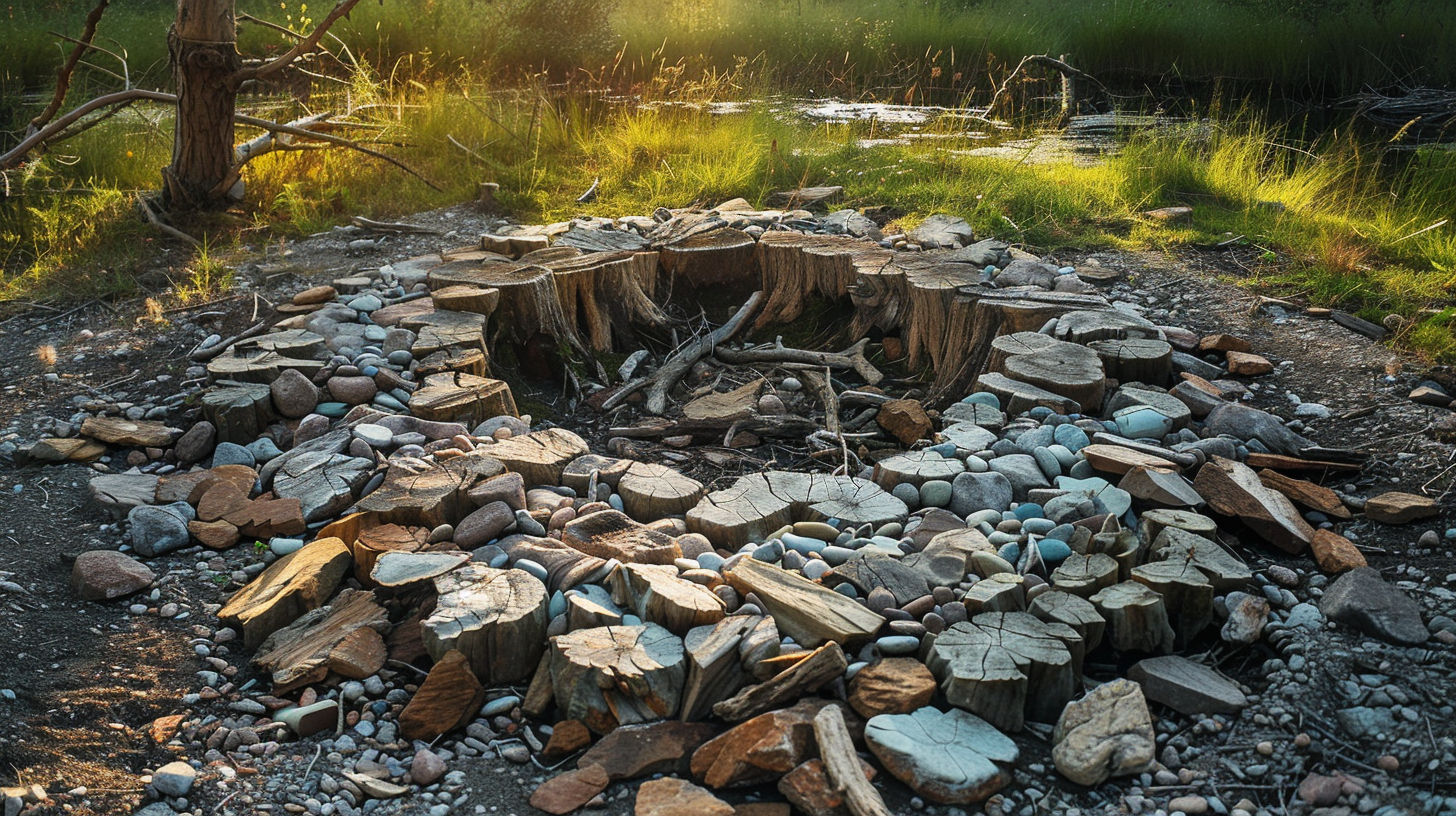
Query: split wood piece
1185, 461
257, 366
565, 567
1123, 546
514, 246
299, 344
481, 301
529, 303
1136, 360
978, 316
1137, 618
725, 407
323, 483
1010, 345
1006, 668
289, 587
397, 569
299, 654
1120, 460
1071, 610
1018, 397
462, 398
1234, 489
472, 361
369, 544
611, 534
578, 472
1308, 494
241, 412
802, 609
870, 571
607, 296
715, 671
650, 492
1224, 570
797, 269
1083, 327
129, 433
589, 239
496, 618
1002, 592
1187, 595
821, 667
590, 606
843, 765
539, 694
657, 595
617, 675
441, 329
1066, 369
1085, 575
759, 648
539, 456
852, 358
756, 505
360, 655
722, 258
425, 494
1152, 523
683, 226
676, 366
1158, 486
916, 468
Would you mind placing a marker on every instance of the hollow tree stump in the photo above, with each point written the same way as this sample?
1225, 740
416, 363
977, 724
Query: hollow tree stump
617, 675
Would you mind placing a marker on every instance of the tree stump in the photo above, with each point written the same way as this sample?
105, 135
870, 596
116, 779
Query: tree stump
1224, 570
796, 269
1187, 595
299, 344
1122, 546
1066, 369
427, 494
757, 504
440, 330
617, 675
471, 361
916, 468
715, 671
1074, 611
650, 492
1010, 345
475, 299
1085, 575
1137, 618
1137, 360
659, 596
816, 670
540, 456
722, 259
577, 474
1006, 668
239, 411
253, 365
529, 302
1002, 592
496, 618
1083, 327
932, 288
606, 296
462, 398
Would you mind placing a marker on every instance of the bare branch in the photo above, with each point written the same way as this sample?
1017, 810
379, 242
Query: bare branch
14, 155
303, 46
63, 74
336, 140
166, 229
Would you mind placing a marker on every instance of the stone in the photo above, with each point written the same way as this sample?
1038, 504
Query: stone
1187, 687
1022, 472
1362, 599
632, 751
449, 698
905, 419
156, 530
941, 231
1319, 790
294, 395
896, 685
678, 797
174, 779
1334, 553
567, 737
103, 575
1107, 733
1250, 423
1022, 272
307, 720
196, 443
1223, 343
1400, 508
973, 492
231, 453
75, 449
427, 767
809, 789
1245, 364
570, 791
1247, 616
356, 390
314, 295
760, 749
129, 433
949, 757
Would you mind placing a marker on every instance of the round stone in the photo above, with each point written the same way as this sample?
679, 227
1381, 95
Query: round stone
897, 645
376, 435
935, 493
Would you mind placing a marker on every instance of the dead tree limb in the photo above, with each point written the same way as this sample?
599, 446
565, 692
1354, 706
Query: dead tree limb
1049, 62
164, 228
63, 74
334, 140
821, 387
842, 764
12, 157
851, 358
303, 46
204, 354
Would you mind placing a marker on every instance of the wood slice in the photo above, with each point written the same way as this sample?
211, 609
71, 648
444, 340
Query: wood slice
748, 510
1187, 594
650, 492
854, 501
611, 534
1072, 371
1006, 668
427, 494
822, 666
294, 584
565, 567
1315, 497
252, 365
1010, 345
529, 303
1002, 592
296, 343
1076, 612
720, 259
577, 474
617, 675
298, 654
471, 361
1137, 619
802, 609
241, 412
1224, 570
1085, 326
463, 398
1152, 523
870, 571
1138, 360
1233, 489
481, 301
1085, 575
539, 456
916, 468
714, 669
657, 595
440, 330
607, 296
496, 618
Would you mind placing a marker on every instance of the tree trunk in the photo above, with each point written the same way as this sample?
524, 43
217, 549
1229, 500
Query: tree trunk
204, 55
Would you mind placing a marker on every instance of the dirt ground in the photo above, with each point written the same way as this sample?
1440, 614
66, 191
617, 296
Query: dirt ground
88, 678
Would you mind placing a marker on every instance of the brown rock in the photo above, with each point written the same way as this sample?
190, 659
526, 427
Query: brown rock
353, 390
216, 535
808, 788
449, 698
759, 750
294, 395
139, 434
571, 790
75, 449
896, 685
1248, 365
1319, 790
316, 294
427, 767
102, 575
360, 654
631, 751
1400, 508
219, 500
677, 797
289, 587
1171, 215
1233, 489
905, 420
568, 737
1334, 553
1224, 343
164, 728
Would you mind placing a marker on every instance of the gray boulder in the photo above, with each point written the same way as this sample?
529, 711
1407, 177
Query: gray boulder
972, 492
1027, 273
156, 530
1362, 599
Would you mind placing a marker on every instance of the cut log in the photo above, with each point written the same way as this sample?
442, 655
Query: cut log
606, 297
714, 669
294, 584
1187, 595
1010, 345
611, 534
565, 567
1123, 546
1071, 610
617, 675
1152, 523
299, 654
1234, 489
1083, 327
802, 609
720, 259
1085, 575
1002, 592
818, 669
756, 505
1308, 494
932, 289
463, 398
1224, 570
529, 303
299, 344
472, 361
239, 411
1018, 397
428, 494
1137, 619
515, 246
650, 492
1066, 369
369, 544
125, 432
440, 329
539, 456
252, 365
496, 618
842, 764
1138, 360
474, 299
1006, 668
916, 468
657, 595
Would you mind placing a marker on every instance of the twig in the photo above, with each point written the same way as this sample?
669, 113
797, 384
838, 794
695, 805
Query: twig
203, 355
165, 229
852, 358
302, 47
316, 754
63, 74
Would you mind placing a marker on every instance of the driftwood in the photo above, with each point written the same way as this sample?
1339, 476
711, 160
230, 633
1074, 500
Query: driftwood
676, 366
496, 618
842, 764
304, 651
657, 594
715, 671
852, 358
802, 609
813, 672
650, 492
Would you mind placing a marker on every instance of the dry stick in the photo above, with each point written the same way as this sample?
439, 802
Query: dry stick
300, 48
165, 229
825, 393
63, 74
841, 763
203, 355
851, 358
335, 140
1040, 59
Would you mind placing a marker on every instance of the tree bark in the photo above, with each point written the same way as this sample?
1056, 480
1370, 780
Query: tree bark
204, 55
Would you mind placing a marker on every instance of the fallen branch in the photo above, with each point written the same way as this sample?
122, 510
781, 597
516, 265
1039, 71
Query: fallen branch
336, 140
63, 74
842, 764
778, 425
205, 354
165, 229
1041, 59
851, 358
398, 227
819, 385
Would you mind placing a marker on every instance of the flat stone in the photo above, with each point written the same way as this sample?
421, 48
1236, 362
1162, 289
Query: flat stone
570, 791
1362, 599
1023, 473
174, 779
896, 685
678, 797
1187, 687
949, 757
1334, 553
1245, 364
103, 575
973, 492
1400, 508
139, 434
1107, 733
448, 699
632, 751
